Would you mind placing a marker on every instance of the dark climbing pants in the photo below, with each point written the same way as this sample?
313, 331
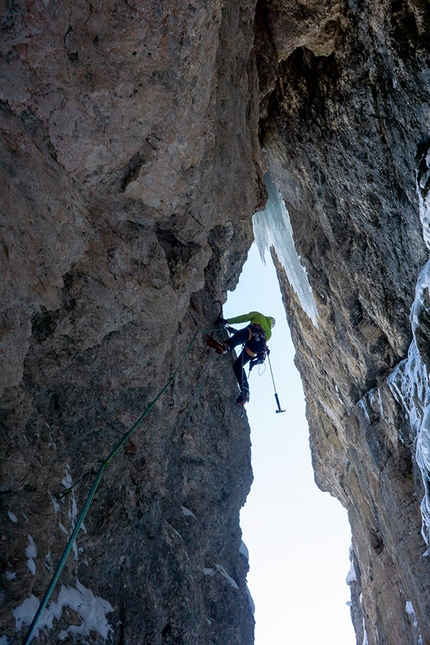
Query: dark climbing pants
242, 338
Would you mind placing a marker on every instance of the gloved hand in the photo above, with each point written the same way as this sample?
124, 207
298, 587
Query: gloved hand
221, 321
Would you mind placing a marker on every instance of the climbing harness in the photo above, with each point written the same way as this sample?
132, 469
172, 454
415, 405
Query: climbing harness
99, 474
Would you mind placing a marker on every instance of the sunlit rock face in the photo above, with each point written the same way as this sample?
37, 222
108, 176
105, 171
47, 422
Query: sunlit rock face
345, 123
130, 172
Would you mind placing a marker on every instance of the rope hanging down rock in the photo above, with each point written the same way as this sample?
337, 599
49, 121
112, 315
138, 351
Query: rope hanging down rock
99, 474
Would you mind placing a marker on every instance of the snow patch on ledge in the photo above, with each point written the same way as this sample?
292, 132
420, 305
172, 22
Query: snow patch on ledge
272, 227
209, 571
418, 639
243, 550
91, 610
351, 575
31, 553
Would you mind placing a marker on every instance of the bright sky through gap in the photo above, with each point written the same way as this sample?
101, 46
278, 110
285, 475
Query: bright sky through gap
298, 537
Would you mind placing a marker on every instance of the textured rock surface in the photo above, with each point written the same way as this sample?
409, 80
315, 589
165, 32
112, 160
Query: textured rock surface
131, 167
123, 125
342, 127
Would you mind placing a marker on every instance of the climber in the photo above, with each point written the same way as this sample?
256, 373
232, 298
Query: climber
254, 338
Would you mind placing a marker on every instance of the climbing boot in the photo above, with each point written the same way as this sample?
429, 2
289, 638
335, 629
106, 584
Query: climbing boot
219, 346
243, 396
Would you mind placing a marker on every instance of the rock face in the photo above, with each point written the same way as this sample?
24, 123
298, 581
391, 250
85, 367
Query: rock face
345, 107
123, 125
131, 167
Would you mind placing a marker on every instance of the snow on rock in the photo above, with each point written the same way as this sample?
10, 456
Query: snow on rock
187, 513
209, 571
12, 517
73, 511
243, 550
55, 504
418, 640
67, 480
31, 553
351, 575
250, 600
24, 614
365, 639
224, 573
272, 227
63, 528
91, 610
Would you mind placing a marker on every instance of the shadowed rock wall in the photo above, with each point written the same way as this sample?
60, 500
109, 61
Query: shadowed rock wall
130, 170
131, 167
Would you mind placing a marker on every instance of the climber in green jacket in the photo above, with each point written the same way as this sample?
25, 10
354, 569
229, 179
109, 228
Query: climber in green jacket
254, 338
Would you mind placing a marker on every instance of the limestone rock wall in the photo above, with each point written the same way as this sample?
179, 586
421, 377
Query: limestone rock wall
130, 171
345, 121
131, 165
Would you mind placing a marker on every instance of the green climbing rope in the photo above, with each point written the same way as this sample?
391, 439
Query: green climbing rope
103, 465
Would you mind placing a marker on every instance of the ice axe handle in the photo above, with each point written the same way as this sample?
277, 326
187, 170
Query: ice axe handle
278, 411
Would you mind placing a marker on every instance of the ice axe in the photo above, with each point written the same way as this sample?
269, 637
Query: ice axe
278, 411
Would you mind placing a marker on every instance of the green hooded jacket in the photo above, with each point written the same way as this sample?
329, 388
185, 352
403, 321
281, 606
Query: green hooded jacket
254, 317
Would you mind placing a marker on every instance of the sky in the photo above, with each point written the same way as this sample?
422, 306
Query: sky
298, 537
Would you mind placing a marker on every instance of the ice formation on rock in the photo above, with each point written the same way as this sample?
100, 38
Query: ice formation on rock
272, 227
410, 380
